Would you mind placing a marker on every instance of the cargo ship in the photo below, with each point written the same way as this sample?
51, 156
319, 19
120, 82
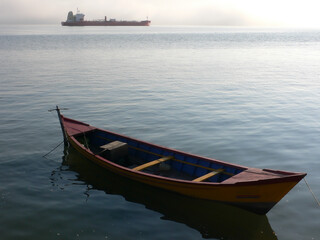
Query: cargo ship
78, 20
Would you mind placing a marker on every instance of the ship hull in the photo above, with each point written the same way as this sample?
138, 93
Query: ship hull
106, 23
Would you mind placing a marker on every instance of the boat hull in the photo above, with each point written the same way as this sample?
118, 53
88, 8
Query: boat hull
106, 23
253, 189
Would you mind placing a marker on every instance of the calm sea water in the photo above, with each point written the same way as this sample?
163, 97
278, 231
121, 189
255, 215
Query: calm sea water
246, 96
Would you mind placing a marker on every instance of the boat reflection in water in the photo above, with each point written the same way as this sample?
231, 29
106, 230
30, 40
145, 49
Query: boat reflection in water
211, 219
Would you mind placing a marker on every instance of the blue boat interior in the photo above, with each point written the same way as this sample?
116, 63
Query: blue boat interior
145, 157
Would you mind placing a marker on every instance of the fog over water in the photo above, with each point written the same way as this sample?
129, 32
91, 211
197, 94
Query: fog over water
168, 12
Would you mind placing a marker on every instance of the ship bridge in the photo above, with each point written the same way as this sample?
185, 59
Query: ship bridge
79, 17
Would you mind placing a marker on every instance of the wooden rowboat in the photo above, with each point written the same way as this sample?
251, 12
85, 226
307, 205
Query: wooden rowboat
256, 190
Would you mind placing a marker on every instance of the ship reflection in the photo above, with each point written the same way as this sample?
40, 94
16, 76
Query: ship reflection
212, 220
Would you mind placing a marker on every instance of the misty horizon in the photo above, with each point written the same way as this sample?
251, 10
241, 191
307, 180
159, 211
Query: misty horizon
175, 12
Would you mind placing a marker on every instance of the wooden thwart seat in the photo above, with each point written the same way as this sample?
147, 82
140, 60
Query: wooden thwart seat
208, 175
175, 159
154, 162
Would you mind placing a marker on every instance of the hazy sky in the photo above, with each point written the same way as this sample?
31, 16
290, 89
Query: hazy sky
292, 13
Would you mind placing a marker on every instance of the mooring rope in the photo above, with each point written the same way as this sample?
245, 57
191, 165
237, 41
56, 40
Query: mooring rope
314, 196
52, 149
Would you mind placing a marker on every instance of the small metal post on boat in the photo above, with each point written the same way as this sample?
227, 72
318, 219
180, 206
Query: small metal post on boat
62, 128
